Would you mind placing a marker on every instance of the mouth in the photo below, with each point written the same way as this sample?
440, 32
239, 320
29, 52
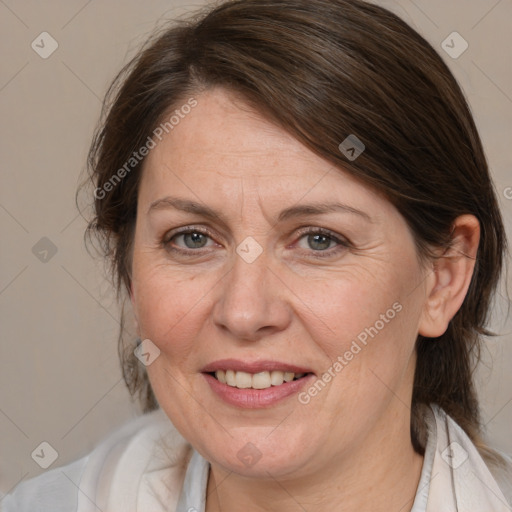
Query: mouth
261, 380
256, 384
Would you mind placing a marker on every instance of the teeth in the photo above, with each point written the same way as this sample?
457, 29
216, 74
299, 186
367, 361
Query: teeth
288, 376
243, 380
262, 380
230, 378
276, 378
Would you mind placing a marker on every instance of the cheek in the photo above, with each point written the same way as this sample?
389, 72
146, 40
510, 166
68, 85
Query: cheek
365, 324
347, 304
167, 305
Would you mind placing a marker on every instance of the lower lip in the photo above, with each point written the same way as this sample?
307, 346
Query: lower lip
256, 398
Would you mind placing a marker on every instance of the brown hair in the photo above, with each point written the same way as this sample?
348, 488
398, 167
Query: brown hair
322, 70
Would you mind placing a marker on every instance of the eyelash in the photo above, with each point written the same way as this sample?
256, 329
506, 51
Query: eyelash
342, 243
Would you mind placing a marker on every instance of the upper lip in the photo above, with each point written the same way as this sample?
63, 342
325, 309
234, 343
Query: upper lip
253, 366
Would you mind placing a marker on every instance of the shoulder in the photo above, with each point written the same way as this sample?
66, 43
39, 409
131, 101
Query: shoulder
54, 490
143, 460
463, 471
500, 465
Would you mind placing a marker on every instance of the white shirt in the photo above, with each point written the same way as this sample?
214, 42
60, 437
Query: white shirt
147, 466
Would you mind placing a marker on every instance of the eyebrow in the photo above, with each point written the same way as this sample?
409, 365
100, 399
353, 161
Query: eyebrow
302, 210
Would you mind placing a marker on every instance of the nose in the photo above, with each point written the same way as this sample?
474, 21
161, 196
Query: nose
252, 301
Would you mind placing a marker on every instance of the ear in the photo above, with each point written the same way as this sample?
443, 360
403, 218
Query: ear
449, 282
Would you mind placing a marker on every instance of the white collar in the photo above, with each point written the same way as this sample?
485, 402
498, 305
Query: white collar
459, 479
454, 477
150, 467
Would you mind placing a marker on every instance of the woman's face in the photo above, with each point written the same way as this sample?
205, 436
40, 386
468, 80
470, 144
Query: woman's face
252, 255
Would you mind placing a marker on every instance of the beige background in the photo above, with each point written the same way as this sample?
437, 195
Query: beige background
59, 378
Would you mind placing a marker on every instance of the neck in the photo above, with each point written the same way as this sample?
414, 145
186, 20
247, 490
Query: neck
382, 476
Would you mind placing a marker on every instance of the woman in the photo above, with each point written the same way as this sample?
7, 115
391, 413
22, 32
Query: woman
295, 198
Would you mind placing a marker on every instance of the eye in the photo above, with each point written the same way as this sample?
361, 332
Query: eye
321, 240
314, 240
187, 239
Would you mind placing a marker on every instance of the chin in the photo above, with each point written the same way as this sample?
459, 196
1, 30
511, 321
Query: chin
262, 453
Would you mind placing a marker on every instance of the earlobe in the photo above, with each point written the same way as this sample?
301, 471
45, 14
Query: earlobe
451, 276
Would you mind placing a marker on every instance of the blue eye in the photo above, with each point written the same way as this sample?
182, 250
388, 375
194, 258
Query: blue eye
191, 239
320, 240
194, 239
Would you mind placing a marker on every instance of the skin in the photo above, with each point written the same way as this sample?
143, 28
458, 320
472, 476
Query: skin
349, 448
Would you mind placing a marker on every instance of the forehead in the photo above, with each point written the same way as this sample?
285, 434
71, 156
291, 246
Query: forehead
223, 129
223, 149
